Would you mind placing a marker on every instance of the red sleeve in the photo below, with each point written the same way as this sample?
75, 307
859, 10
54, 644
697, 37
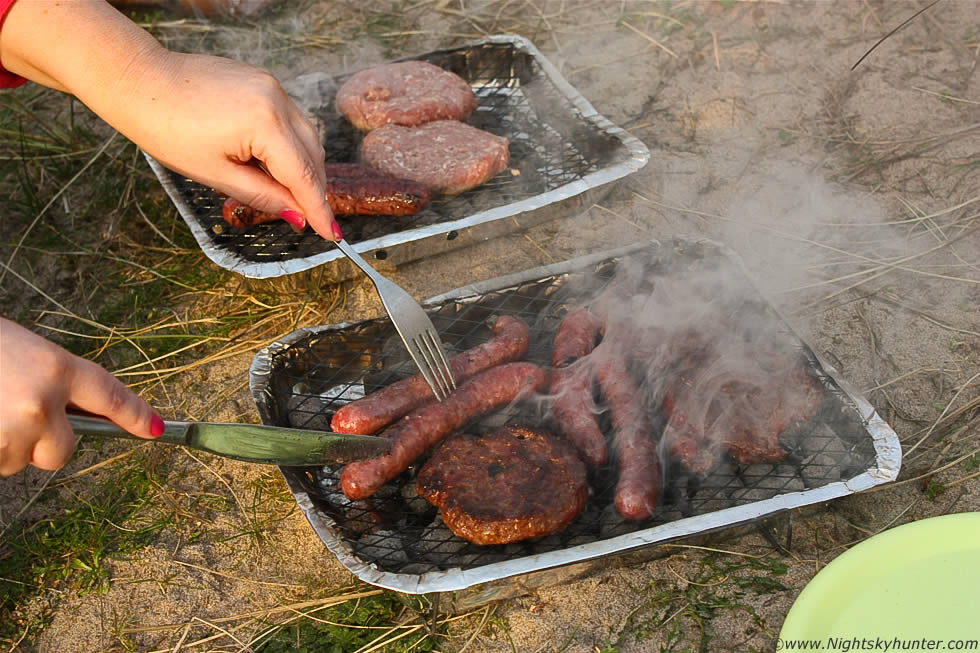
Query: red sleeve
8, 79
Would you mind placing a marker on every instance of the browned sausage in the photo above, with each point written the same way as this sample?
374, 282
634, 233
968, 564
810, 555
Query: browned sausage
241, 215
367, 195
423, 428
571, 387
638, 486
576, 337
376, 196
372, 413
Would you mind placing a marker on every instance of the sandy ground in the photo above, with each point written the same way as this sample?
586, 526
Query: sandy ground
762, 137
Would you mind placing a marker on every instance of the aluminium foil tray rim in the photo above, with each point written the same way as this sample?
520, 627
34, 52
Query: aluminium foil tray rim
635, 155
888, 458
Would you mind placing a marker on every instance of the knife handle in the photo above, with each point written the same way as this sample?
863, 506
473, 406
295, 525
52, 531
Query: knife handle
173, 432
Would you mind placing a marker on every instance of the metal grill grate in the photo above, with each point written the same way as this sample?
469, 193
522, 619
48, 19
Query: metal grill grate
551, 145
323, 369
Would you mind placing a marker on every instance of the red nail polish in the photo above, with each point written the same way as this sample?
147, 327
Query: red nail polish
294, 218
157, 427
338, 234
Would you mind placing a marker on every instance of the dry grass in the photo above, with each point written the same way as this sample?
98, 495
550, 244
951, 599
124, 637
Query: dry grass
78, 252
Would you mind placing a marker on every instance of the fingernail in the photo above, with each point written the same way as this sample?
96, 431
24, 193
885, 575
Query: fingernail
338, 234
157, 426
294, 218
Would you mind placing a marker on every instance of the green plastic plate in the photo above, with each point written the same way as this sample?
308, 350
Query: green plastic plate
917, 581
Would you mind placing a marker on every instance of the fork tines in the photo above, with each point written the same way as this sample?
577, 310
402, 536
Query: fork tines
428, 354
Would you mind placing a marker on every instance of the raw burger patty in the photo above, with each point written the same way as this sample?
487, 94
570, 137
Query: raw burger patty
445, 156
511, 484
409, 93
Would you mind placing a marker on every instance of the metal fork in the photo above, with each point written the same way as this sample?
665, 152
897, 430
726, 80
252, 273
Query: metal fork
412, 324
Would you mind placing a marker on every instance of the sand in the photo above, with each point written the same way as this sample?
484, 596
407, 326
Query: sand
761, 137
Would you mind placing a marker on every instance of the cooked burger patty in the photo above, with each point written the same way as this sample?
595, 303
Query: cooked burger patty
445, 156
407, 93
744, 418
512, 484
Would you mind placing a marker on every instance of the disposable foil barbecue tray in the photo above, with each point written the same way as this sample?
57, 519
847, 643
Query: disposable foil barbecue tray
397, 540
564, 157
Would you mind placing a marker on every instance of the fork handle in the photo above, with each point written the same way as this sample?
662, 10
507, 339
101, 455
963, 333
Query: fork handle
359, 261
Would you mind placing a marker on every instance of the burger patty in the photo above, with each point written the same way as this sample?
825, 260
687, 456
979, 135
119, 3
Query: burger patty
744, 419
512, 484
445, 156
407, 93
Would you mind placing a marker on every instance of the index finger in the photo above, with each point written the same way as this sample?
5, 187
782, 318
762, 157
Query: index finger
93, 389
289, 163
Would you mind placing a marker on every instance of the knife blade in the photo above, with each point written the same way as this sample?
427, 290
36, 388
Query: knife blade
252, 443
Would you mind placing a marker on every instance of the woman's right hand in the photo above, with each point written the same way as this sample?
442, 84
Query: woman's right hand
206, 117
38, 382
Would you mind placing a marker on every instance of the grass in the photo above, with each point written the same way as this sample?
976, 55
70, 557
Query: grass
109, 271
680, 614
67, 550
97, 259
355, 627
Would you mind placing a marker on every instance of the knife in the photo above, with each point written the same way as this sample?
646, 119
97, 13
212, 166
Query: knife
251, 442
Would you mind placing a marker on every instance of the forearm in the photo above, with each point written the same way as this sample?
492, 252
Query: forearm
203, 116
84, 47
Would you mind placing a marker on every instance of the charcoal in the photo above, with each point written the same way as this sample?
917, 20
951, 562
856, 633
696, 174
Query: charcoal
751, 495
362, 519
578, 540
611, 523
415, 503
714, 491
781, 478
304, 410
511, 550
417, 568
383, 544
440, 546
328, 480
820, 469
343, 393
386, 493
548, 543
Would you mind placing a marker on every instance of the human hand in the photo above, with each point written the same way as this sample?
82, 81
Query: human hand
38, 381
205, 117
210, 117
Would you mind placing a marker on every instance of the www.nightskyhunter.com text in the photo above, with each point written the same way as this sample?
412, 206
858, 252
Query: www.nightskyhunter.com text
846, 644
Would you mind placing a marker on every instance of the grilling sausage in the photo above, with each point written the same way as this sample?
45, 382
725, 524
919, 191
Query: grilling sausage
638, 486
423, 428
365, 195
372, 413
571, 387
